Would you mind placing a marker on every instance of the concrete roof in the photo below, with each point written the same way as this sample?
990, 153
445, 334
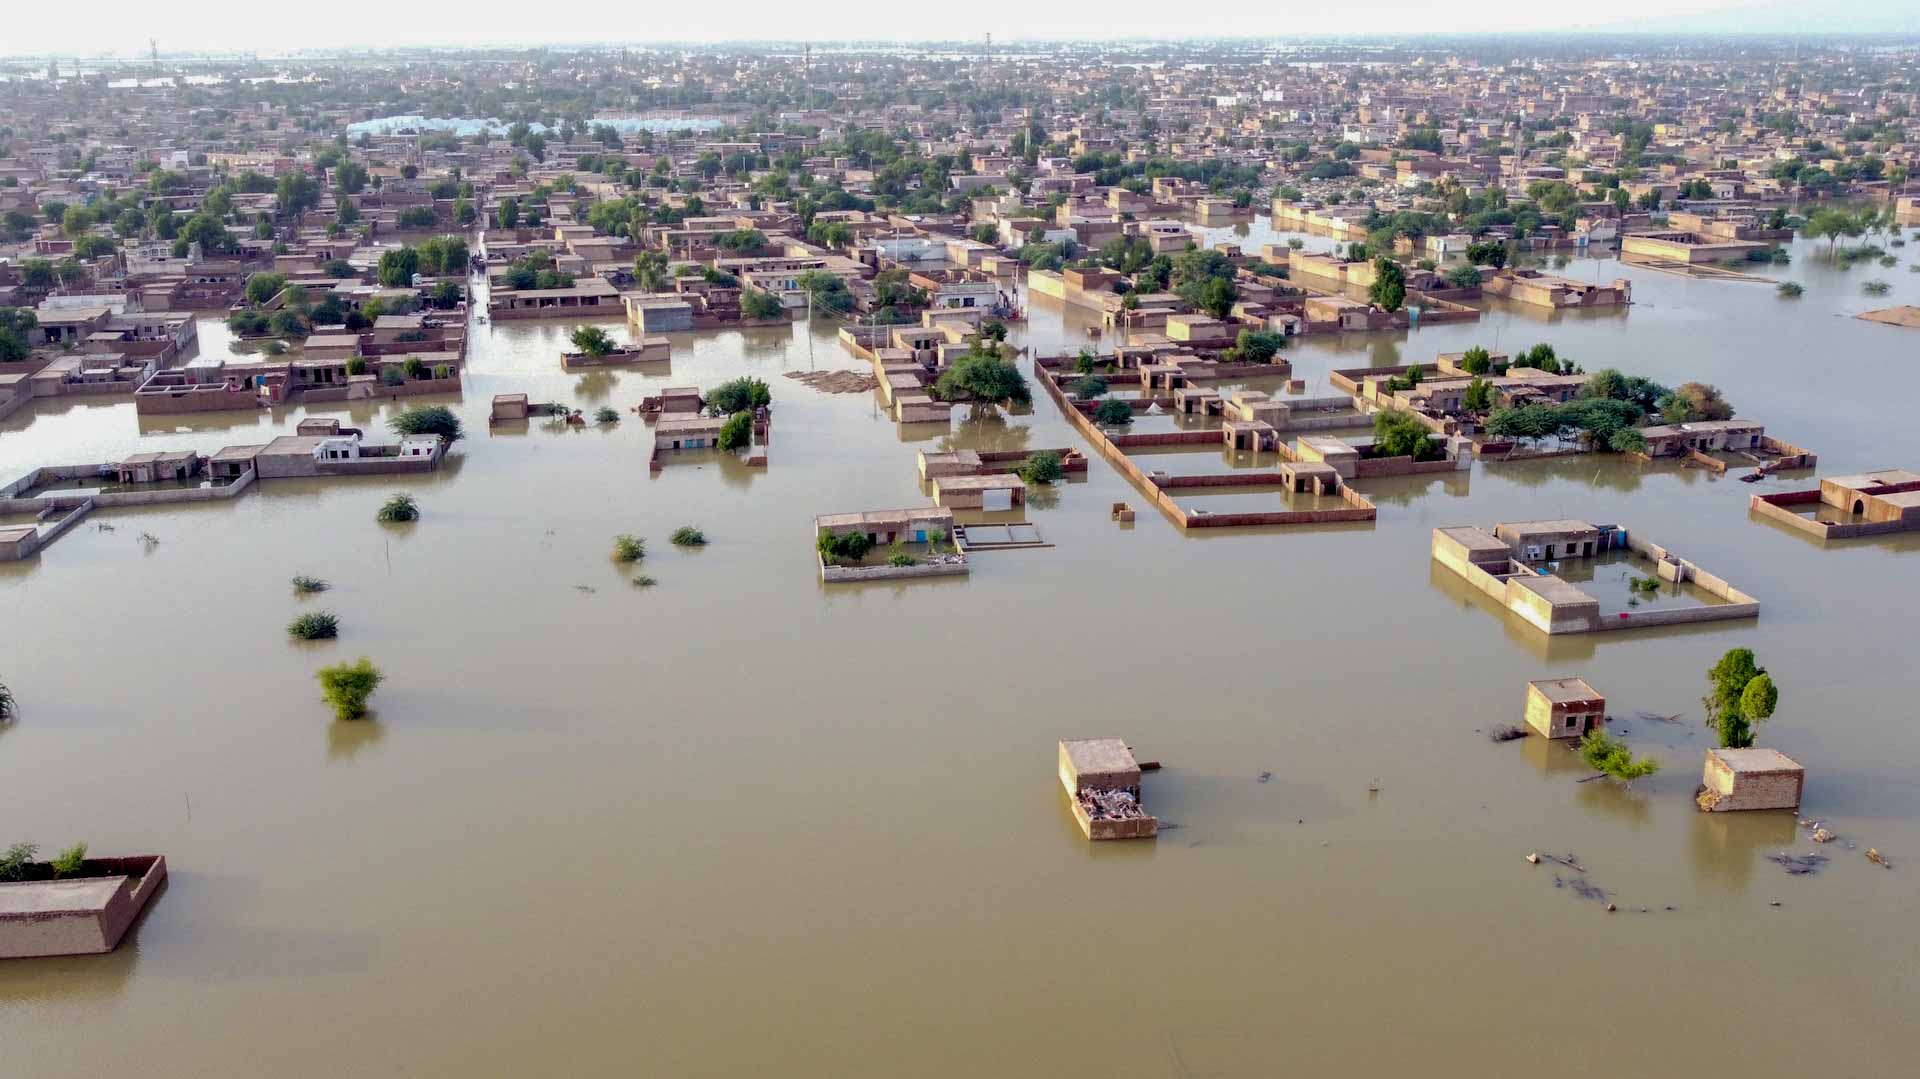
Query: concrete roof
1535, 528
1756, 760
1866, 481
1565, 690
1555, 591
58, 896
1473, 539
1090, 756
994, 482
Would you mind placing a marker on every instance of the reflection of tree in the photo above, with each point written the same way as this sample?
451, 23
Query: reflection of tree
346, 739
1383, 351
1604, 471
1044, 497
986, 431
596, 385
1615, 800
770, 342
1402, 491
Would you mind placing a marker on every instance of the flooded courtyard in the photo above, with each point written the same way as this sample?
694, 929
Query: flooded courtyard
740, 822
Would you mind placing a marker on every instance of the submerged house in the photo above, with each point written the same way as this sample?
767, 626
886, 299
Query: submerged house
1565, 708
1102, 781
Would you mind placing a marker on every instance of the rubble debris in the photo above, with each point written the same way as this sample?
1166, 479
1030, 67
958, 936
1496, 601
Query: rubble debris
1821, 835
1533, 858
1111, 805
1878, 859
1798, 865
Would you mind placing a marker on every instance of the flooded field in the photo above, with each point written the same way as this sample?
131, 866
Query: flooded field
740, 822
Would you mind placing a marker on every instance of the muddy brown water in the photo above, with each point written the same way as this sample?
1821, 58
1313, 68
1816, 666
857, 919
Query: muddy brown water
739, 822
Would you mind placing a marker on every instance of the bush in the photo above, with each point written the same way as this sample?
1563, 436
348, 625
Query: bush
1610, 756
982, 377
1397, 434
8, 709
902, 558
851, 547
392, 376
688, 536
1792, 290
628, 548
606, 414
306, 586
428, 420
14, 863
414, 367
357, 366
346, 686
1113, 413
755, 304
1089, 387
737, 432
398, 509
1040, 468
641, 580
314, 626
69, 861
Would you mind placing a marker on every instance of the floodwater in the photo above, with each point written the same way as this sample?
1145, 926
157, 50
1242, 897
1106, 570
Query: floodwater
740, 823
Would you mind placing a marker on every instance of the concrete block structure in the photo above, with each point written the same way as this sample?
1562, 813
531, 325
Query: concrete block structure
1102, 781
1565, 708
1740, 779
82, 915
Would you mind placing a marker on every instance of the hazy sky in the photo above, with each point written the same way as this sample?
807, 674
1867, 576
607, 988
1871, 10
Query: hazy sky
37, 27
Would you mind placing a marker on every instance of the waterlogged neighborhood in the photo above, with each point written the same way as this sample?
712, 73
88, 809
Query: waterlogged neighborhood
531, 558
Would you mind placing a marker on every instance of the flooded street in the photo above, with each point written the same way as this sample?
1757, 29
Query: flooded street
740, 823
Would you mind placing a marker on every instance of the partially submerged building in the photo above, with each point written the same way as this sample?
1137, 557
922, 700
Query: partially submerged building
1102, 781
1511, 565
85, 914
1565, 708
1739, 779
1846, 507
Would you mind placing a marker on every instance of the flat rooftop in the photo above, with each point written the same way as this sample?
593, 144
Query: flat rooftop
1094, 756
1565, 690
86, 895
993, 482
1756, 761
1474, 539
1867, 481
1555, 591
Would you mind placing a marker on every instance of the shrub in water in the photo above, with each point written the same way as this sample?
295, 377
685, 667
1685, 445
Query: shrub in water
314, 626
346, 686
688, 536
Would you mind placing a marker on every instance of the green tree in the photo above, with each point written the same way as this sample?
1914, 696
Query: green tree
592, 340
737, 432
982, 377
742, 394
262, 287
1389, 288
1040, 468
1611, 757
1257, 346
1398, 434
397, 267
428, 420
1478, 396
296, 193
1113, 412
1742, 696
756, 304
346, 686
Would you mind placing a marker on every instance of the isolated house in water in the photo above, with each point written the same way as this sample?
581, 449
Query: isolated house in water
1565, 707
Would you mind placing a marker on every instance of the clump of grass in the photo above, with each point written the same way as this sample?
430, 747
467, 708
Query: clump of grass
606, 414
314, 626
641, 580
8, 706
629, 548
398, 509
70, 861
346, 686
307, 586
1876, 288
688, 536
13, 863
1791, 289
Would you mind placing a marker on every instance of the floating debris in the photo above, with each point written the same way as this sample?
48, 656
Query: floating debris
835, 381
1586, 889
149, 540
1878, 859
1798, 865
1506, 732
1821, 835
1264, 776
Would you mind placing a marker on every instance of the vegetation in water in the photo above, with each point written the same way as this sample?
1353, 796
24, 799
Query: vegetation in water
398, 509
607, 414
850, 547
307, 586
1089, 387
627, 548
314, 626
688, 536
592, 340
738, 395
346, 686
737, 432
70, 861
428, 420
1040, 468
1611, 757
1792, 290
1113, 413
1742, 697
13, 863
641, 580
8, 707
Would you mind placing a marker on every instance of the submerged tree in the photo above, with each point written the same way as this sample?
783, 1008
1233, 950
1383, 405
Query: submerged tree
346, 686
1040, 468
1743, 696
1611, 757
592, 340
428, 420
